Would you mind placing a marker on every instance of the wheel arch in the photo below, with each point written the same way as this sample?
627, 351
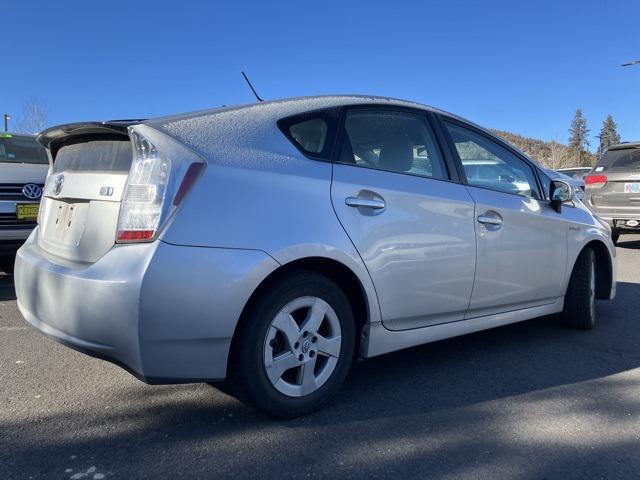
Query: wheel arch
338, 272
604, 268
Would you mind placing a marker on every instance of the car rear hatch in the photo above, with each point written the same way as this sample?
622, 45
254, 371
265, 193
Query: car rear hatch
614, 185
111, 182
82, 196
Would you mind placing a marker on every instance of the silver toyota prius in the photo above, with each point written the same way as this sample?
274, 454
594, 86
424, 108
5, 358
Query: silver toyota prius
264, 248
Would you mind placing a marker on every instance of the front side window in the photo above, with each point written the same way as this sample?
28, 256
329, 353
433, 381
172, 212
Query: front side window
392, 141
487, 164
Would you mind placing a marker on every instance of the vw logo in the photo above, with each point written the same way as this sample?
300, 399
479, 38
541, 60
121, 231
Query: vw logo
59, 183
32, 191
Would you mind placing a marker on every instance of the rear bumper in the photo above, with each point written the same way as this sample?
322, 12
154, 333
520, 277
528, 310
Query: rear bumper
165, 313
613, 215
617, 222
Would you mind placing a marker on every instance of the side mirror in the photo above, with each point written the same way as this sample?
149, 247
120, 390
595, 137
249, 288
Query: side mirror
561, 192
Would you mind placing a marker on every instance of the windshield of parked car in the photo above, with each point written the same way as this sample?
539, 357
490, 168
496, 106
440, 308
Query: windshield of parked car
624, 159
19, 149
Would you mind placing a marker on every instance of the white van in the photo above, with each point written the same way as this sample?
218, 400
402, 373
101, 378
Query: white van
23, 171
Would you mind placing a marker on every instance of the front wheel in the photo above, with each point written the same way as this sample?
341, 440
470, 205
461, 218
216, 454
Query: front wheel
580, 301
294, 348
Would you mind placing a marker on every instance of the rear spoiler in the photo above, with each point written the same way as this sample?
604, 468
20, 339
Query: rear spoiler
53, 137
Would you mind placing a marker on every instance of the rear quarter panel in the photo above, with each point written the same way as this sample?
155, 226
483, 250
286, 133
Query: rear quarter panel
259, 192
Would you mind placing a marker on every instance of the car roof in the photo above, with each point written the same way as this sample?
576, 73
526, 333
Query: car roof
274, 110
292, 106
624, 145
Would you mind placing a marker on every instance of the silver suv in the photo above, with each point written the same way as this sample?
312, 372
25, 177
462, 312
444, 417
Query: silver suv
262, 248
613, 188
23, 169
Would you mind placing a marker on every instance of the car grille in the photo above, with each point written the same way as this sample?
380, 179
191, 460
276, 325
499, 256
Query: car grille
13, 192
8, 221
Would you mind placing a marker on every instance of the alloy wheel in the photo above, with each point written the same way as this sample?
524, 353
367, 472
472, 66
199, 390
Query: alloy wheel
302, 346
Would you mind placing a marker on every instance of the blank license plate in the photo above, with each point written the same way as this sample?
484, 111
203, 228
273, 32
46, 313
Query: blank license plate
28, 211
632, 187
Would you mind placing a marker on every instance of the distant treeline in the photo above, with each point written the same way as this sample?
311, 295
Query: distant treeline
552, 155
576, 153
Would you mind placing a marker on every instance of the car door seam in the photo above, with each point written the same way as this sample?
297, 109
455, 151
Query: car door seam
352, 242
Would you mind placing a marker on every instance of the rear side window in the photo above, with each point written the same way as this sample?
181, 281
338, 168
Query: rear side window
113, 156
393, 141
624, 159
312, 133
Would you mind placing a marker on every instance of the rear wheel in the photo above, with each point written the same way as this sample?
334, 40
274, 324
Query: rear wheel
580, 301
295, 347
7, 262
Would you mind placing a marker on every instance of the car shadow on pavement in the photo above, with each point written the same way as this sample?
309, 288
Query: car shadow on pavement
7, 291
630, 244
495, 396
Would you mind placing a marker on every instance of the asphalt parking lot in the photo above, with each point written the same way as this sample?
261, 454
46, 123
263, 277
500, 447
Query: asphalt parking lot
531, 400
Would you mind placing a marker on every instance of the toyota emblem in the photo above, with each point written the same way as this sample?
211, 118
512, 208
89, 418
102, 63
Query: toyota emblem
32, 191
57, 186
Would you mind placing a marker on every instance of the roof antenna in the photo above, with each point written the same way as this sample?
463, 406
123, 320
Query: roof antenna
251, 86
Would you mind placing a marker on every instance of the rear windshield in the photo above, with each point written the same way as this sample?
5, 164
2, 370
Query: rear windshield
113, 155
626, 159
15, 149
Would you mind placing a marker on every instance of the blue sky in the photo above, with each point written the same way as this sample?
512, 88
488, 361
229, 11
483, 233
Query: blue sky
523, 66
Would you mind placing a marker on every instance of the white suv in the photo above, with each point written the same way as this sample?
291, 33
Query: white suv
23, 170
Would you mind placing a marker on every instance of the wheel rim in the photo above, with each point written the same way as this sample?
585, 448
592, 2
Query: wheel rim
302, 346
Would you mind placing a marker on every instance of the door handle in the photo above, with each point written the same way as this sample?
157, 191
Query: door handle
490, 220
364, 202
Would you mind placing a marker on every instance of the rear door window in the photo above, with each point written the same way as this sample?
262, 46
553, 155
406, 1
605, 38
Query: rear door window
394, 141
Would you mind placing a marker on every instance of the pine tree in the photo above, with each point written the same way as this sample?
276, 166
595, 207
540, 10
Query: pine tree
578, 141
608, 134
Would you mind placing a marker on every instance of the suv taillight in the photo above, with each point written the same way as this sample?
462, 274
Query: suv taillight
156, 184
595, 180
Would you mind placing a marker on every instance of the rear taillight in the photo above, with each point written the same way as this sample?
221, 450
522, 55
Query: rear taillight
595, 180
161, 174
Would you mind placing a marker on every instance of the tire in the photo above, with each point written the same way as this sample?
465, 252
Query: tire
615, 236
267, 336
579, 303
7, 262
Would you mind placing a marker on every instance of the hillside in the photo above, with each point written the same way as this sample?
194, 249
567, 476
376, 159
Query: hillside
550, 154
